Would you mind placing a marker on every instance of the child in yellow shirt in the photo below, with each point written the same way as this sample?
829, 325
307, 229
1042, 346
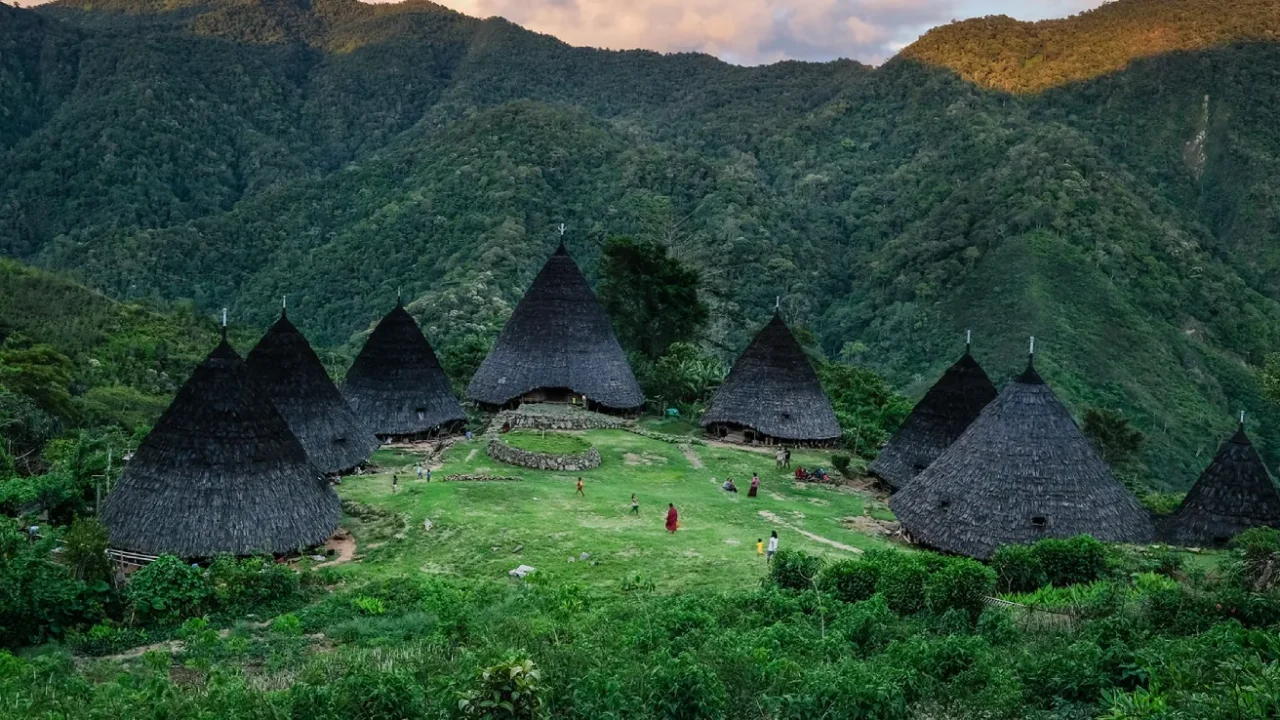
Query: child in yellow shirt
759, 546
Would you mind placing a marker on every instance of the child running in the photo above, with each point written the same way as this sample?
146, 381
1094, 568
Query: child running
579, 492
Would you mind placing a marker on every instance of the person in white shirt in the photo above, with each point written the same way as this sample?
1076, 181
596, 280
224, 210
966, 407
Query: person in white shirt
773, 546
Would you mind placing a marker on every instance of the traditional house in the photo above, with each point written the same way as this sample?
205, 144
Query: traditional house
220, 473
288, 370
396, 385
936, 421
557, 347
1233, 494
772, 395
1021, 472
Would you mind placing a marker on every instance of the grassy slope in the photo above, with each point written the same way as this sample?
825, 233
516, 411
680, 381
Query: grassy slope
713, 550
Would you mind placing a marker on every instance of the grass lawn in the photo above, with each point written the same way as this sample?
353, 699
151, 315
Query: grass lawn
476, 526
550, 442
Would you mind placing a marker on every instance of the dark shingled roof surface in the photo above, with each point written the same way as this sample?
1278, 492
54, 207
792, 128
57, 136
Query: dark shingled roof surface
1233, 494
558, 337
284, 364
396, 385
936, 421
1021, 472
773, 389
220, 472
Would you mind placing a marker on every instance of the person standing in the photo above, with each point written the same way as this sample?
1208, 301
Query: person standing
779, 457
786, 459
673, 518
759, 547
395, 484
428, 474
755, 486
579, 491
419, 472
635, 505
773, 546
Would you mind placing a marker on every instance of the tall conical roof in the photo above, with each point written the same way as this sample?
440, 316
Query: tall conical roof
936, 421
773, 389
558, 337
220, 472
1233, 494
286, 367
1021, 472
396, 385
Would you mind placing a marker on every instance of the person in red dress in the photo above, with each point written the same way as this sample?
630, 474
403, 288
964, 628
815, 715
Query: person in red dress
755, 486
673, 518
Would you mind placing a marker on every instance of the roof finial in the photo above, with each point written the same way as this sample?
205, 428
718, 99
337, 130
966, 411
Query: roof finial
284, 305
1031, 354
1242, 419
968, 341
562, 228
224, 324
777, 303
399, 297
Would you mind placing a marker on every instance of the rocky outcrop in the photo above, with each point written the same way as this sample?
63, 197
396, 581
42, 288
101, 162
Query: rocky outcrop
578, 462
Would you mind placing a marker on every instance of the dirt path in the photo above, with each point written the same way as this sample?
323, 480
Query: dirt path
472, 454
344, 547
692, 456
817, 538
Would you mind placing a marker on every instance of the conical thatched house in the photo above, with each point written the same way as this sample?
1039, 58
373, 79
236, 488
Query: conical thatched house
396, 385
1233, 494
1021, 472
220, 473
287, 369
936, 421
557, 346
772, 395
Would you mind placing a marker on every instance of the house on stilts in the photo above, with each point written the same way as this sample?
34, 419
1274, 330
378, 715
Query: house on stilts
772, 395
557, 347
396, 385
291, 374
936, 421
221, 472
1021, 472
1236, 492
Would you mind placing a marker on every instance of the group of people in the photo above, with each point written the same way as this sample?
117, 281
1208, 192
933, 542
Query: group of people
783, 456
730, 486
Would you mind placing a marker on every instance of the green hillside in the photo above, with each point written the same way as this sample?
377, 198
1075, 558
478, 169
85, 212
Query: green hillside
1102, 182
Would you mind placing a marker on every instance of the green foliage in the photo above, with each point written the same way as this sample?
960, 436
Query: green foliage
369, 605
868, 409
902, 582
1018, 569
959, 584
39, 598
841, 463
851, 580
794, 570
105, 638
41, 373
686, 689
1258, 550
510, 689
1113, 435
685, 377
239, 586
651, 298
84, 550
1080, 559
547, 442
462, 357
167, 591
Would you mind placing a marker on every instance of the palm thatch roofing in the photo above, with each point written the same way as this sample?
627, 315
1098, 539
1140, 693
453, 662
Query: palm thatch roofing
1021, 472
773, 390
935, 422
220, 473
558, 338
396, 385
1233, 494
287, 369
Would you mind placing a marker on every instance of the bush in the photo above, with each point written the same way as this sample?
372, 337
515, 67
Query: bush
794, 570
851, 580
1018, 569
685, 689
1258, 550
1080, 559
841, 463
510, 689
106, 638
39, 599
84, 549
901, 582
167, 591
960, 584
251, 584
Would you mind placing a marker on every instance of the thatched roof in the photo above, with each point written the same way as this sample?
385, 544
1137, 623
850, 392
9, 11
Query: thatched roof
936, 421
396, 384
558, 337
220, 472
1021, 472
773, 389
286, 367
1233, 494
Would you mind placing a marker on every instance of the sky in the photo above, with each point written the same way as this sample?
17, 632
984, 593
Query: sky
756, 31
751, 32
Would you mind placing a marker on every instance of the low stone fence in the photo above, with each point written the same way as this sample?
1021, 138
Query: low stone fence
558, 417
481, 478
663, 437
503, 452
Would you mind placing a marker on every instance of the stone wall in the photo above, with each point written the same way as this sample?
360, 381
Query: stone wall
503, 452
481, 478
557, 417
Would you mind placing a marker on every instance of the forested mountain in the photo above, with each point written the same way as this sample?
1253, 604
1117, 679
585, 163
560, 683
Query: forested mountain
1102, 182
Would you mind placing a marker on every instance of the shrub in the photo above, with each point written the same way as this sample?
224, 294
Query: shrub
1080, 559
239, 586
851, 580
1018, 569
901, 582
167, 591
510, 689
960, 584
841, 463
106, 638
369, 605
685, 689
1259, 552
84, 549
849, 690
794, 570
39, 599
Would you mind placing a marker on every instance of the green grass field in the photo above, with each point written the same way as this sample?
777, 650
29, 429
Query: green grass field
476, 526
547, 442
